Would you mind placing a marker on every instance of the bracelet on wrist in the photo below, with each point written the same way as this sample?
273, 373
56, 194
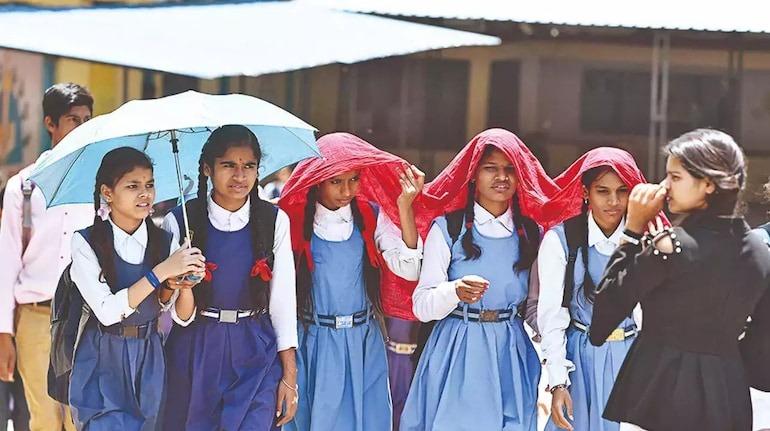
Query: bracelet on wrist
153, 279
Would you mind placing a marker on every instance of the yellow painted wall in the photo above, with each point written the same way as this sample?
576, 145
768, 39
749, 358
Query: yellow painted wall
104, 82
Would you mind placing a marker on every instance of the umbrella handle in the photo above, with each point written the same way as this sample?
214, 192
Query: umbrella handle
175, 150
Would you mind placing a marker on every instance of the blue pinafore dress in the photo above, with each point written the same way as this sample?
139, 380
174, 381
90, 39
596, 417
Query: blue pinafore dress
478, 375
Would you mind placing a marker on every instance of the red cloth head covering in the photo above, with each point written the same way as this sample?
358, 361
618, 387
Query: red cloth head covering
568, 202
343, 152
447, 192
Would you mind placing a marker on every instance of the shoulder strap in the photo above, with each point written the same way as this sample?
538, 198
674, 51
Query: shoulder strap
454, 224
572, 232
27, 187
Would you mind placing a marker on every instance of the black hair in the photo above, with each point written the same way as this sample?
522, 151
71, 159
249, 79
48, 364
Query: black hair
713, 155
304, 278
2, 197
60, 98
115, 164
221, 140
526, 228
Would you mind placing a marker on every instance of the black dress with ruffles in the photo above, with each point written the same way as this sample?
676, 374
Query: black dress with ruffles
688, 370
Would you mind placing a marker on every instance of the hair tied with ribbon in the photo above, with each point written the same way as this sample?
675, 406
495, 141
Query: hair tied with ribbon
262, 270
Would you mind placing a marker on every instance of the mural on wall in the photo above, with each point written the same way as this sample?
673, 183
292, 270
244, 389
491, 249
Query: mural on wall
21, 89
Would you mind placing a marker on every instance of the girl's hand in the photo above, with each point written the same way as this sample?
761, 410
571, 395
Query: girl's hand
662, 242
181, 282
646, 201
185, 260
412, 181
561, 399
471, 288
288, 398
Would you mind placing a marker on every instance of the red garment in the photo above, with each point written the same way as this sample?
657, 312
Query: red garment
343, 152
448, 192
568, 202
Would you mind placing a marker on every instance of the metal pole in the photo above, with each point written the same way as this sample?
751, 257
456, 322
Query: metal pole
175, 150
658, 132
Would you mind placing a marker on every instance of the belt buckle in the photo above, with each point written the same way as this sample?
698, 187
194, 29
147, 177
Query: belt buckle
404, 348
228, 316
131, 331
489, 316
619, 334
342, 322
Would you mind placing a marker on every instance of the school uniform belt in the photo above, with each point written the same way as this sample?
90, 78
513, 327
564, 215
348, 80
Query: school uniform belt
227, 316
131, 331
339, 322
401, 348
619, 334
483, 316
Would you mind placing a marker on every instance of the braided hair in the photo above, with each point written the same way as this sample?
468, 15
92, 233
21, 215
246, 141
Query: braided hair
115, 164
221, 140
526, 228
304, 278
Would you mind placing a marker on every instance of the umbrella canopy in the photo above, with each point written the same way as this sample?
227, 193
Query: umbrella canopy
66, 174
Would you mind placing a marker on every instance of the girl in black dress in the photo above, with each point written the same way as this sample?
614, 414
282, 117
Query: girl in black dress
698, 283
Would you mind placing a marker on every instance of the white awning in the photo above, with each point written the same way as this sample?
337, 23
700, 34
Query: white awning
211, 41
749, 16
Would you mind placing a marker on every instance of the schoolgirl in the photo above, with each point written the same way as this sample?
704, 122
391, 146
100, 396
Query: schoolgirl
344, 208
589, 213
479, 370
231, 353
120, 266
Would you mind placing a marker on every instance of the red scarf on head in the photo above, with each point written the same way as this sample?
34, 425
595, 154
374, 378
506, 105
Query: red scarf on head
568, 202
343, 152
447, 192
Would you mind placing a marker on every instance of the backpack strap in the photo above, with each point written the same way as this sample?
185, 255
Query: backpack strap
454, 224
574, 230
27, 187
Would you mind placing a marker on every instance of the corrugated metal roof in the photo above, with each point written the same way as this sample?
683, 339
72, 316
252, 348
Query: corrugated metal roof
213, 41
748, 16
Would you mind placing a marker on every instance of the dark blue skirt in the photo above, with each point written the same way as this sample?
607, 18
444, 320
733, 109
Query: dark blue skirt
222, 376
117, 383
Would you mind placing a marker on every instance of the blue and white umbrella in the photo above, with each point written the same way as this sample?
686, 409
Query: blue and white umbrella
67, 174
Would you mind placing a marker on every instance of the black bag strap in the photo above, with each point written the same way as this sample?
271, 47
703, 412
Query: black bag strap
574, 230
454, 224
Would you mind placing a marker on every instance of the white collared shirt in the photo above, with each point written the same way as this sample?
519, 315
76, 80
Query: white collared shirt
337, 225
435, 296
109, 308
33, 277
553, 319
283, 297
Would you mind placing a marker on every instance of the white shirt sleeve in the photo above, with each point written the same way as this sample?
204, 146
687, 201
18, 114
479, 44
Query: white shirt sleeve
110, 308
552, 318
171, 226
402, 260
435, 296
10, 252
283, 292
